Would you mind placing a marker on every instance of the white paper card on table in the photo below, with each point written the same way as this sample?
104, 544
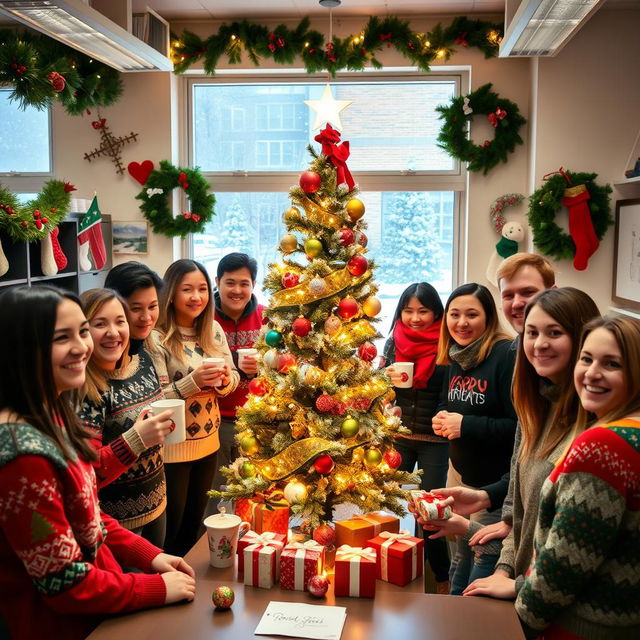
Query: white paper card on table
299, 620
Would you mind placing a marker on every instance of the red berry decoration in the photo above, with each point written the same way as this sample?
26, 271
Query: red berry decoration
325, 403
347, 236
324, 535
393, 458
258, 386
310, 181
357, 265
347, 308
57, 81
318, 586
301, 327
323, 464
290, 279
286, 361
367, 351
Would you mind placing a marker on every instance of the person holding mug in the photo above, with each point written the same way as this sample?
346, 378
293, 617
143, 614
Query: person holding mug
61, 556
115, 410
415, 330
187, 336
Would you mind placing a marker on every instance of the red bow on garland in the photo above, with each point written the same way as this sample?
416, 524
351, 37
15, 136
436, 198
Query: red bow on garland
462, 39
337, 153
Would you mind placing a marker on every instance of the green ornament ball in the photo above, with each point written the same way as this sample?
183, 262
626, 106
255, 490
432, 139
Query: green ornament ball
273, 338
247, 470
372, 457
313, 247
350, 427
249, 445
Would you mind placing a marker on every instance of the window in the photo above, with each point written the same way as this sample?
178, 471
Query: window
411, 188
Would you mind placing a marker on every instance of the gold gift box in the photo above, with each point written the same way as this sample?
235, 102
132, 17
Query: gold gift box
356, 531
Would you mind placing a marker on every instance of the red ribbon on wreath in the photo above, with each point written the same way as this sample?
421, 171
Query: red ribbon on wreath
191, 216
337, 153
494, 118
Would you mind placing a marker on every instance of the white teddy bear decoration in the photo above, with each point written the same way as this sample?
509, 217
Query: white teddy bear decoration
512, 233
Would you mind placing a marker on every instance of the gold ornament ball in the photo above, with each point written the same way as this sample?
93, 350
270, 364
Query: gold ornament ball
371, 306
249, 445
288, 243
350, 427
355, 209
372, 457
312, 247
332, 325
291, 214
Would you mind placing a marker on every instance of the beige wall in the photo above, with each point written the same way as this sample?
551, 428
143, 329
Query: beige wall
586, 99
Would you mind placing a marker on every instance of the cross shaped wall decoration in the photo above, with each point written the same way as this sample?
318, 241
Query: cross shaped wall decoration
110, 145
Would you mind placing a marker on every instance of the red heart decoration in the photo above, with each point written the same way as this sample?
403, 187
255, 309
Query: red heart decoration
140, 170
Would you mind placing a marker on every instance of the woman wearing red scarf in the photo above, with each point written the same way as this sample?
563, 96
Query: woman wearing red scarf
414, 338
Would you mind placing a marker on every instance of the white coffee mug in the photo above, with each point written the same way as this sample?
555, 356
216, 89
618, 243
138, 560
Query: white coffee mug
244, 353
218, 362
223, 530
401, 373
179, 433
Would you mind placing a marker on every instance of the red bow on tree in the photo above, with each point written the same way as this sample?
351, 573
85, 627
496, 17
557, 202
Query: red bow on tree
191, 216
337, 153
98, 124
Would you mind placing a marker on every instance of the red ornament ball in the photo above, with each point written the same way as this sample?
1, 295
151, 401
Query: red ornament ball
223, 597
367, 351
290, 279
258, 386
347, 308
324, 535
286, 361
310, 181
323, 464
347, 236
393, 458
361, 239
301, 327
318, 586
325, 403
357, 265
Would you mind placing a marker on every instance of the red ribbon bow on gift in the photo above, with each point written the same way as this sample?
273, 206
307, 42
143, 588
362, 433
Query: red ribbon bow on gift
98, 124
337, 153
191, 216
435, 498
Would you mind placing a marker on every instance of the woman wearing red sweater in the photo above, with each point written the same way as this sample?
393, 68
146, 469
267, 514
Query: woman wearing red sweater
60, 556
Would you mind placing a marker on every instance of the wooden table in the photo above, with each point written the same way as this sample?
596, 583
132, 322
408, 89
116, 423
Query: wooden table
395, 614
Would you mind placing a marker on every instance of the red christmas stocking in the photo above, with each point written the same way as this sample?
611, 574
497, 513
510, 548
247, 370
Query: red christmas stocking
580, 225
58, 253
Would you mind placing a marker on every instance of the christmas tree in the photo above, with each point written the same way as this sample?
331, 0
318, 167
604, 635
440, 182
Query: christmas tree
318, 423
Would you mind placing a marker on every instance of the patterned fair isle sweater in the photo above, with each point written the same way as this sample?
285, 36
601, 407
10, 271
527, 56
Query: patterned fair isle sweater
60, 556
201, 405
585, 577
130, 476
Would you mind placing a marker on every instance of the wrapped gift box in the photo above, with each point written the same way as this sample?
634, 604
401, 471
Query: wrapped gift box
265, 512
360, 528
299, 562
261, 565
355, 572
429, 505
400, 557
266, 539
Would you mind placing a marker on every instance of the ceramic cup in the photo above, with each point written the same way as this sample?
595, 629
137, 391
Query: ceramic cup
179, 433
401, 374
217, 362
244, 353
223, 530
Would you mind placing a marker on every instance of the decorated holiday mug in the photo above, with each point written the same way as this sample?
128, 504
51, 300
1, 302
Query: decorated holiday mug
179, 431
223, 530
401, 374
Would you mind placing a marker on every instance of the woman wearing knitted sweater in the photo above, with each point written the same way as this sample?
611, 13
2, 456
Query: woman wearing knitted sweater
187, 334
584, 581
115, 411
60, 556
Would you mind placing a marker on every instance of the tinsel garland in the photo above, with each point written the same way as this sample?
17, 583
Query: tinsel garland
503, 115
283, 45
155, 200
41, 70
545, 203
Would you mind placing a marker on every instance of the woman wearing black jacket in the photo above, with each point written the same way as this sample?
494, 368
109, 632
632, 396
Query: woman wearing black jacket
414, 338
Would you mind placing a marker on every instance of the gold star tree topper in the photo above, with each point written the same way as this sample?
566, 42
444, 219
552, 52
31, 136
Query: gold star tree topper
327, 109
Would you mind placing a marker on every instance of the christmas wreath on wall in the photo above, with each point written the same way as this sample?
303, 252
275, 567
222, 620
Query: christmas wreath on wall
589, 216
155, 200
503, 115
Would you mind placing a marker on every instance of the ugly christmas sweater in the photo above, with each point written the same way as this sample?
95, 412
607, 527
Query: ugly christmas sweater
60, 556
240, 334
482, 395
130, 476
202, 414
585, 577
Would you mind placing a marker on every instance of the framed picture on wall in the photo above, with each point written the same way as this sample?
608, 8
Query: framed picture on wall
626, 261
130, 237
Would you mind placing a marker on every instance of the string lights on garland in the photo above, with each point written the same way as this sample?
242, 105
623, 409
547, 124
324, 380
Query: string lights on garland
283, 45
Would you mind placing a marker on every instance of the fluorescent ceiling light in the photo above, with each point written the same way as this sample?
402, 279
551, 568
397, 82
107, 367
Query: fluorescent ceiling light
85, 29
543, 27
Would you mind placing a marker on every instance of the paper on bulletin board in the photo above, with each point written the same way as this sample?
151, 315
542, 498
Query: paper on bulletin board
299, 620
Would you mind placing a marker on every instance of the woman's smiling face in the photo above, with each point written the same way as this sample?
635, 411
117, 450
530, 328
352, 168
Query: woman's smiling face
466, 319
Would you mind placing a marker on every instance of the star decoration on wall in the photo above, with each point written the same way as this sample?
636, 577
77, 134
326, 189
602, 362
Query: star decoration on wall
327, 109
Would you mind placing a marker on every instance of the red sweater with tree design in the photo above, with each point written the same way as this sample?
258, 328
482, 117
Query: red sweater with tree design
59, 554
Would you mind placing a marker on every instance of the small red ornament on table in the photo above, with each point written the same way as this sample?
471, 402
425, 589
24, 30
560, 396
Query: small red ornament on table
318, 586
223, 597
